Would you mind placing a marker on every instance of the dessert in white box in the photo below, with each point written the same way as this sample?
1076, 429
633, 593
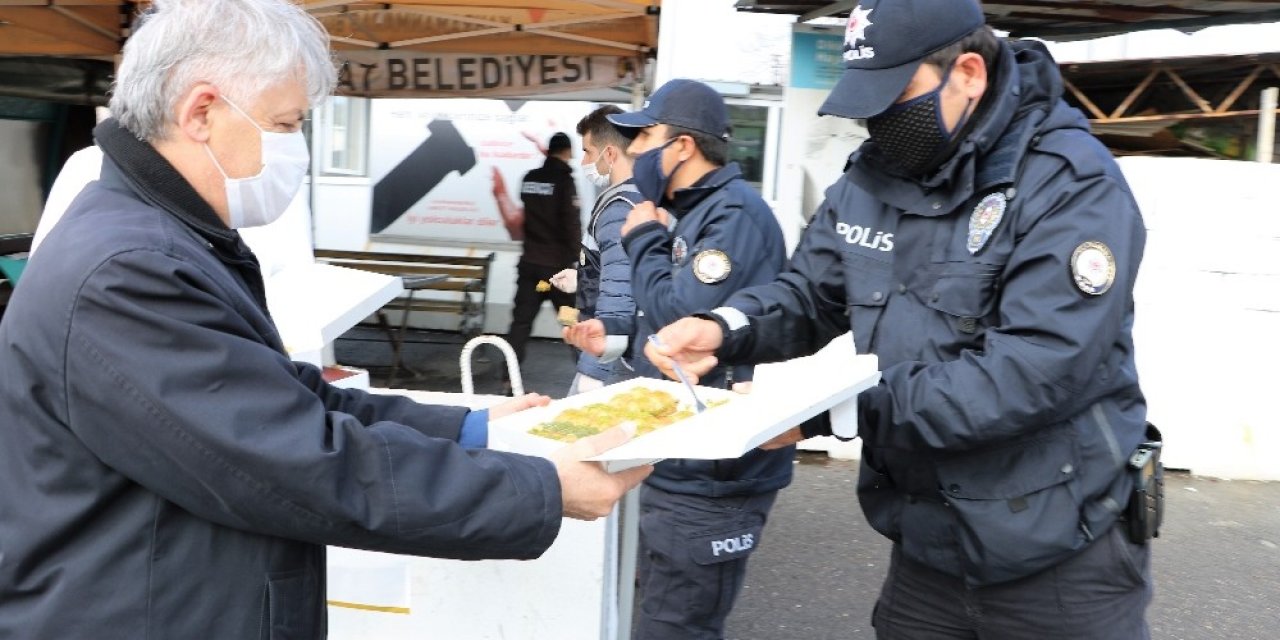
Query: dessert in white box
784, 395
647, 408
651, 405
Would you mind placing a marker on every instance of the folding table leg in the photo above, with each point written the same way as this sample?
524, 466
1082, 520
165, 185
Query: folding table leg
397, 339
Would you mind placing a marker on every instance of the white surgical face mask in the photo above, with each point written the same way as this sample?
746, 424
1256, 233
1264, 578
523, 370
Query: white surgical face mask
262, 199
592, 172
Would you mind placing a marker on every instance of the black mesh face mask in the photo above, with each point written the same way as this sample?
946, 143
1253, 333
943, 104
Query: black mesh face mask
912, 135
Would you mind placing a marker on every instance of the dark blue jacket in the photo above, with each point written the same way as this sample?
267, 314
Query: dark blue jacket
720, 213
604, 278
994, 446
168, 472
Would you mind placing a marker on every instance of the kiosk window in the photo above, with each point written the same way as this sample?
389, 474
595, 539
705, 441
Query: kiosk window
343, 136
747, 147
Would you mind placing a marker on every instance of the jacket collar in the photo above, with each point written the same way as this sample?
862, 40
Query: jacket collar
626, 186
684, 200
553, 162
150, 176
1032, 105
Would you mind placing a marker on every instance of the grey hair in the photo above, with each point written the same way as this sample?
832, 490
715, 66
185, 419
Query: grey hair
241, 46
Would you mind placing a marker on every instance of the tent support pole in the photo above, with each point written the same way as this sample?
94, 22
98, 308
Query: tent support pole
1267, 125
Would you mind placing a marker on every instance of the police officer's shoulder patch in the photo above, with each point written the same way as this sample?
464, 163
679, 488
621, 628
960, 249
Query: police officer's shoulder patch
711, 266
1093, 268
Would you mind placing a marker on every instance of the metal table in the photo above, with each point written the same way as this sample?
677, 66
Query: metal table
411, 284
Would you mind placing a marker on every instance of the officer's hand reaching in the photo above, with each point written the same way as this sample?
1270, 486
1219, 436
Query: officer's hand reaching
644, 212
784, 439
586, 490
588, 335
691, 341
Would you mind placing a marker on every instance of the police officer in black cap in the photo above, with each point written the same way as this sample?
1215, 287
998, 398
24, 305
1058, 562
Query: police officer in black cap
984, 246
552, 233
700, 234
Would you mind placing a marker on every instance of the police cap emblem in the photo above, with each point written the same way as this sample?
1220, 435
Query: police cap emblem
1093, 268
711, 266
986, 217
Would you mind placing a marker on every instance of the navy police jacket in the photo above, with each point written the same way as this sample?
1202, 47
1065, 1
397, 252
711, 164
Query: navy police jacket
604, 277
168, 472
998, 298
725, 238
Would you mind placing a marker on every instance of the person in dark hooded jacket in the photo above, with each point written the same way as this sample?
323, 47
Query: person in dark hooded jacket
166, 470
984, 246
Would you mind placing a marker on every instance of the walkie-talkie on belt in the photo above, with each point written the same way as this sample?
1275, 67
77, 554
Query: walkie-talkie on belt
1146, 503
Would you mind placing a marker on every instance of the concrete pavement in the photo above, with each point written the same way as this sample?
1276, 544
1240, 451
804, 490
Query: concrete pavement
816, 574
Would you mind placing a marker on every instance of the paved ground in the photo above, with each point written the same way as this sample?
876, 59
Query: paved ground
433, 357
817, 573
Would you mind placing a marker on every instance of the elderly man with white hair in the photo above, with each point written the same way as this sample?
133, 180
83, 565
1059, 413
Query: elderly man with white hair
167, 471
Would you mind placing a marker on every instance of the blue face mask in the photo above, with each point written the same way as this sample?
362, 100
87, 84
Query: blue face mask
647, 173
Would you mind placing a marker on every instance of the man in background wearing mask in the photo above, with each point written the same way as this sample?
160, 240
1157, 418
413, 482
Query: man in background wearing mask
700, 234
602, 279
984, 246
167, 471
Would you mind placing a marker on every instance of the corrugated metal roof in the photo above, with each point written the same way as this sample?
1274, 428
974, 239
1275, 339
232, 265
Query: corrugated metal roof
1071, 19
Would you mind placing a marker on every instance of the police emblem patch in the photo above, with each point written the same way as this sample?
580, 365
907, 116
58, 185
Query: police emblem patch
679, 251
986, 217
856, 28
1093, 268
711, 266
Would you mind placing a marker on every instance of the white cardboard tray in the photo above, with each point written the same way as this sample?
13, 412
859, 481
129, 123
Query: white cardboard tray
784, 395
313, 304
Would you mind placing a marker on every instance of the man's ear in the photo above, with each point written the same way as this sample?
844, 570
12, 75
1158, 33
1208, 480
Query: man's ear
191, 116
688, 148
971, 71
